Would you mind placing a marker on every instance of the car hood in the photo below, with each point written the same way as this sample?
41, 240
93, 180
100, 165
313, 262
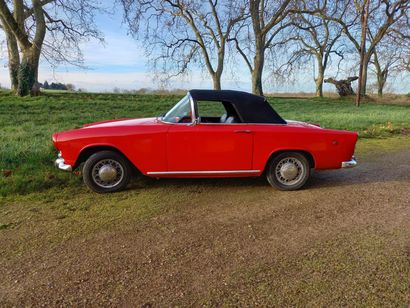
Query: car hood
121, 122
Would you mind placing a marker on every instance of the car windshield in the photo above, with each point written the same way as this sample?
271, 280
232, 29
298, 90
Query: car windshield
180, 113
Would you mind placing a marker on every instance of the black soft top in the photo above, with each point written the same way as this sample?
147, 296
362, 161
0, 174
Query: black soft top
251, 108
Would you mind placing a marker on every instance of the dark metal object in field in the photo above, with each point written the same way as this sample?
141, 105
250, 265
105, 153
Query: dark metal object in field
343, 87
6, 173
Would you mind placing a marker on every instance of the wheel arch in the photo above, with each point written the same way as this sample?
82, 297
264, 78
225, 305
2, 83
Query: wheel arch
306, 153
86, 152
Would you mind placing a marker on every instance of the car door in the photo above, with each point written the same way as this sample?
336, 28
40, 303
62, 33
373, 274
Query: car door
209, 147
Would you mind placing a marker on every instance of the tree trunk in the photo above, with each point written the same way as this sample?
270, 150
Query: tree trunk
381, 81
361, 91
257, 72
216, 78
379, 90
319, 88
343, 87
365, 69
28, 75
381, 74
257, 83
13, 55
319, 79
14, 61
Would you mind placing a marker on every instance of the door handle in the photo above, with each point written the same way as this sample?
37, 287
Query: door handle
244, 131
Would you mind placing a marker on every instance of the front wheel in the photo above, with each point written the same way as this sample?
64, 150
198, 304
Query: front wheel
288, 171
106, 172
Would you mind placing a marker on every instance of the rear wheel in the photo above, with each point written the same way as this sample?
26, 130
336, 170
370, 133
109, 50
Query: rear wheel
288, 171
106, 172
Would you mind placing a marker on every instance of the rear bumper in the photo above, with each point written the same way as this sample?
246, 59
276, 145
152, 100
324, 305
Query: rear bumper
350, 164
60, 164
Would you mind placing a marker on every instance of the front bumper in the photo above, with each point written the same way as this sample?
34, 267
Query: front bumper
60, 164
350, 164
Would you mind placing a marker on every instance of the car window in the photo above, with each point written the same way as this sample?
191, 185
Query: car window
210, 109
180, 113
217, 112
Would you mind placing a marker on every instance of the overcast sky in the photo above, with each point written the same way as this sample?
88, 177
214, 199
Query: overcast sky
121, 63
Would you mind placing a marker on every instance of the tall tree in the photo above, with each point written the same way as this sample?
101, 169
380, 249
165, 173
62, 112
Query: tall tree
13, 55
382, 16
49, 28
178, 33
393, 54
363, 9
27, 71
255, 35
318, 38
387, 60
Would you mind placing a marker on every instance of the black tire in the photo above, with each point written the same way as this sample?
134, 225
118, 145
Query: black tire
115, 164
288, 171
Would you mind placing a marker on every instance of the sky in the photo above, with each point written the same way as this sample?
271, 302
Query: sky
121, 63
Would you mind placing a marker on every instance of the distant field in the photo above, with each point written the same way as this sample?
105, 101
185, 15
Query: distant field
26, 126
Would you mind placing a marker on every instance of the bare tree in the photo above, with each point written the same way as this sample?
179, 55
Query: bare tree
69, 23
255, 36
387, 60
393, 53
405, 61
30, 46
318, 37
179, 33
49, 28
382, 72
382, 16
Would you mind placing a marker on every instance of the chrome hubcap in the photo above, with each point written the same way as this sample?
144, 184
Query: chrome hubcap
289, 171
107, 173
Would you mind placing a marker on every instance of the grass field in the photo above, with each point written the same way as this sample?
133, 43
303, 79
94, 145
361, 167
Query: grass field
26, 125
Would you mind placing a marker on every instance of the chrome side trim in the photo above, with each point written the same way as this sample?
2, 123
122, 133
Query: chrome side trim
203, 172
59, 163
170, 123
350, 164
248, 123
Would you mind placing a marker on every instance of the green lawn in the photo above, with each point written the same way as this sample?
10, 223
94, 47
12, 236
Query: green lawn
27, 124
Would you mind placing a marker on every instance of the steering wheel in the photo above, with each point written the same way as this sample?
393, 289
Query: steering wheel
186, 118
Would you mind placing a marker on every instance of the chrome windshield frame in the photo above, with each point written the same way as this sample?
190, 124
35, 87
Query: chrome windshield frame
194, 119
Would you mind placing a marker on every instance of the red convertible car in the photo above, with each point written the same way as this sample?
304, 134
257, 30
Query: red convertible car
206, 134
